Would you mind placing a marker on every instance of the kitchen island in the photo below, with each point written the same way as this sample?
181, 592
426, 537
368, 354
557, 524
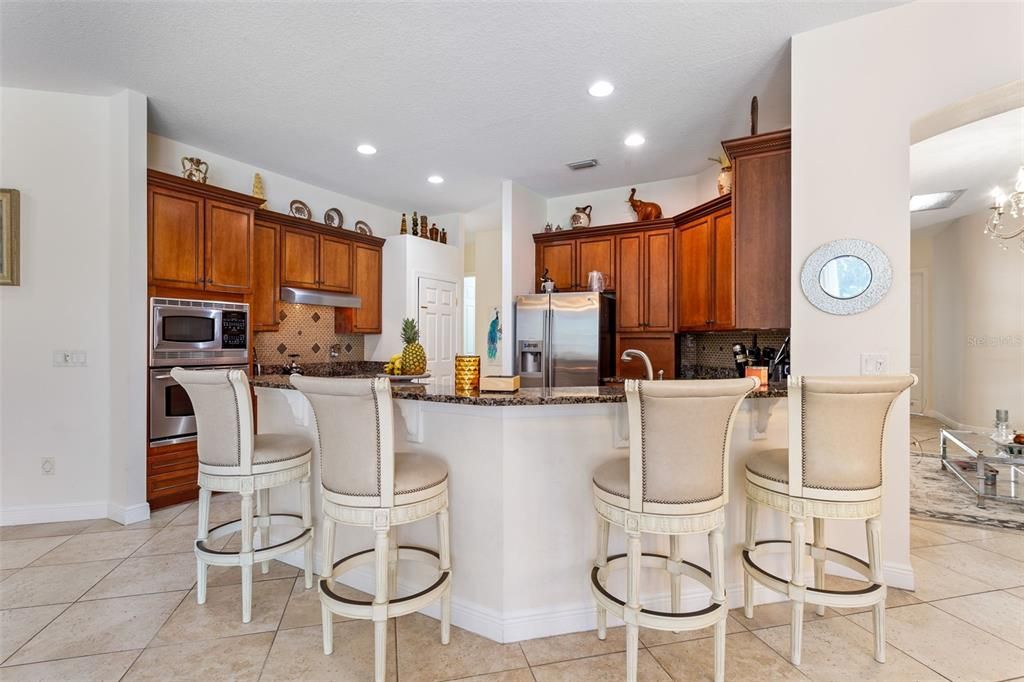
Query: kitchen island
523, 523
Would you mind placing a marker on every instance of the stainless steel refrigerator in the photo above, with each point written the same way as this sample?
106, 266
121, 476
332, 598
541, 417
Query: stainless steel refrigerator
564, 339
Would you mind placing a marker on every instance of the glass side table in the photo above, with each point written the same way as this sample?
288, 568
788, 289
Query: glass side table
981, 464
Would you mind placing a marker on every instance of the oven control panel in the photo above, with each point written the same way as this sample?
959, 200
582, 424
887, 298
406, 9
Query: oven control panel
233, 330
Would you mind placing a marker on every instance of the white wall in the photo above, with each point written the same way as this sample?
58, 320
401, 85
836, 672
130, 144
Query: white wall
852, 110
487, 256
523, 213
77, 161
977, 330
165, 155
610, 206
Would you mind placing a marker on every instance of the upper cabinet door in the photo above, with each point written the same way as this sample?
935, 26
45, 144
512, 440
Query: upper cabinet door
266, 281
693, 258
367, 318
629, 304
299, 258
175, 239
595, 253
559, 259
229, 233
659, 281
335, 264
724, 277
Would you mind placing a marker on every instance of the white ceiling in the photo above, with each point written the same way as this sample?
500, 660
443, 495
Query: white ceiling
476, 92
975, 157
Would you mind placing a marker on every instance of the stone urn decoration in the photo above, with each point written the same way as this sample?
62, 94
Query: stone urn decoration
581, 218
724, 174
195, 169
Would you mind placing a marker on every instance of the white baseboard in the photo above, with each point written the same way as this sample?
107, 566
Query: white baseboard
128, 515
49, 513
81, 511
952, 423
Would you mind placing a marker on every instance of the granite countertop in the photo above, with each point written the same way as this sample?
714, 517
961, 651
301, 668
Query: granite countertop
579, 395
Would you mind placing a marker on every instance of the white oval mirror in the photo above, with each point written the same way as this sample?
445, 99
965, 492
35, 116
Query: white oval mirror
845, 277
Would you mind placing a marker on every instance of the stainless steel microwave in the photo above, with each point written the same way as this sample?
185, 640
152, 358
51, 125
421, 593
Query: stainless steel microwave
187, 333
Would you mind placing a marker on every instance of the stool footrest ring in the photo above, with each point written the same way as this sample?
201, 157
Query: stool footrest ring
397, 606
660, 620
867, 596
220, 557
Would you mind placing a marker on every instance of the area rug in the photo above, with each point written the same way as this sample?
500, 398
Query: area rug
936, 494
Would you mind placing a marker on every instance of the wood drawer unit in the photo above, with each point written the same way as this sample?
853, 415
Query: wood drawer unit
172, 474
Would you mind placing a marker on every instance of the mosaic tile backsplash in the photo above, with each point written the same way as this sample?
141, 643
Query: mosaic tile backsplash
309, 331
714, 349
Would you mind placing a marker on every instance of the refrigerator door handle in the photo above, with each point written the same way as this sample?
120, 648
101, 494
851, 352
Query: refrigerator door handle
548, 360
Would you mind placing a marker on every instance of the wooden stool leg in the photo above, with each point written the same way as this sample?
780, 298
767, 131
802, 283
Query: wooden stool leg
202, 534
393, 561
819, 564
380, 604
632, 605
750, 539
675, 555
326, 572
716, 552
444, 550
874, 529
797, 537
307, 522
601, 560
246, 556
263, 523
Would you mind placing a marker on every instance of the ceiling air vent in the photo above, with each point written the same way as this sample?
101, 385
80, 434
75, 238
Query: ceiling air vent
580, 165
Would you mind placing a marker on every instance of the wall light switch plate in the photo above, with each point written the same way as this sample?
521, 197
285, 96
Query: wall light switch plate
873, 364
70, 358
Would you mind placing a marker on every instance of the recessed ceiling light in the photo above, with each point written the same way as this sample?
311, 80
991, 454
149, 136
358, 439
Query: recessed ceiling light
435, 179
367, 149
601, 89
935, 200
635, 140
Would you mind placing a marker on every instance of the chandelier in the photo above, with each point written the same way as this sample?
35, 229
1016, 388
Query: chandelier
995, 228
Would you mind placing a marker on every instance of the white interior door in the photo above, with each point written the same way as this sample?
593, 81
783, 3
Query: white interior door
438, 328
918, 339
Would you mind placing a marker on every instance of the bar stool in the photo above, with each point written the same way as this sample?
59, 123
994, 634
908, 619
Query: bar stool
832, 471
366, 483
675, 482
233, 459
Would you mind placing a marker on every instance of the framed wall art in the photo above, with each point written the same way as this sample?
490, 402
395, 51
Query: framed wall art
9, 254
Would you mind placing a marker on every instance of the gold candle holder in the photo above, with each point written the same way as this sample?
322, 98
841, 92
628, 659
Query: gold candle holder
467, 373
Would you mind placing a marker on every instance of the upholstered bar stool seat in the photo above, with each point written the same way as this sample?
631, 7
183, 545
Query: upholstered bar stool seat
234, 459
833, 471
674, 482
366, 483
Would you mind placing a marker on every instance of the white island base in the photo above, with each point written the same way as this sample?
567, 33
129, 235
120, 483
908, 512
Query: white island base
523, 527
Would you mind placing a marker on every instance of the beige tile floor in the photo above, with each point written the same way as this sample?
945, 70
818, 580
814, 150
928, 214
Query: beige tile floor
924, 435
94, 601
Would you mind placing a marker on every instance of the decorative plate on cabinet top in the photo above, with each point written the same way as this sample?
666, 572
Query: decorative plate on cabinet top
299, 209
362, 228
334, 218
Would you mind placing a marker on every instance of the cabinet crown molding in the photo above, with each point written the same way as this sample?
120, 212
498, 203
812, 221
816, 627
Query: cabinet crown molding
168, 181
264, 215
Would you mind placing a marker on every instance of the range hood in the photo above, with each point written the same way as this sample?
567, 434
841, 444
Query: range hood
316, 297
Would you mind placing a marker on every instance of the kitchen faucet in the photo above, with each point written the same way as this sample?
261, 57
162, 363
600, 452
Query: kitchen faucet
630, 353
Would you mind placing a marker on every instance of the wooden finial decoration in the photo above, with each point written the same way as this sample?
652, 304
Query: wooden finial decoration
753, 115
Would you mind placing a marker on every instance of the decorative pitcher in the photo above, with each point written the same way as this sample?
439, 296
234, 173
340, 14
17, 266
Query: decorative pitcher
195, 169
581, 218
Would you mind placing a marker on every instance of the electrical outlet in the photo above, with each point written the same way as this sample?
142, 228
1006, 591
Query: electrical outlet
48, 466
873, 364
70, 358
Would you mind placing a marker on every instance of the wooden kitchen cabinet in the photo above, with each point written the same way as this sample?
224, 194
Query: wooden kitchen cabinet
660, 348
315, 261
595, 253
172, 474
266, 292
645, 294
704, 257
200, 236
559, 260
366, 319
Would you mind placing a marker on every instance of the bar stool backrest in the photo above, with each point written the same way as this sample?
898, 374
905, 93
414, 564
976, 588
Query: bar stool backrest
841, 425
223, 407
355, 421
679, 435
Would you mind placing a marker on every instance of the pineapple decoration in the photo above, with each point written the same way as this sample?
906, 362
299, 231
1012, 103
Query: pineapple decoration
257, 189
414, 359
